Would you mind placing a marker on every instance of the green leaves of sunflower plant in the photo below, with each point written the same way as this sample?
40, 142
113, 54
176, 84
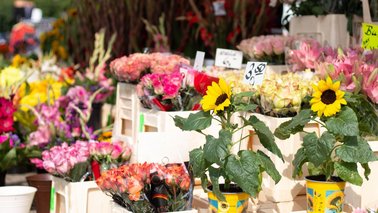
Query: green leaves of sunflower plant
195, 122
336, 152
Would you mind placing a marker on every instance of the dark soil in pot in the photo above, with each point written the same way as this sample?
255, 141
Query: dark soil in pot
233, 188
322, 178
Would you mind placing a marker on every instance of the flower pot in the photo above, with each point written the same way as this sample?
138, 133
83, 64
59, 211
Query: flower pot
324, 196
2, 177
236, 201
43, 184
16, 199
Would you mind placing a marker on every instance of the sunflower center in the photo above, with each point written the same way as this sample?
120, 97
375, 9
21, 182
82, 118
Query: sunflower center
221, 99
328, 97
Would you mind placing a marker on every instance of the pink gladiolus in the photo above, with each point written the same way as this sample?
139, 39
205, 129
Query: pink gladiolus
40, 137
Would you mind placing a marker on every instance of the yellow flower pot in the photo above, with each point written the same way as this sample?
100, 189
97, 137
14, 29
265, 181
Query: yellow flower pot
323, 196
235, 202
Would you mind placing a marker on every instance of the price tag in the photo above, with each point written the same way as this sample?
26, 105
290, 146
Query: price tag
184, 73
228, 58
369, 36
254, 73
219, 9
198, 61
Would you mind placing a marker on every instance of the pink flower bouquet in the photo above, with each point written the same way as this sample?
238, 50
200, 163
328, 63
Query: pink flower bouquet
269, 49
133, 67
70, 162
108, 155
148, 187
168, 91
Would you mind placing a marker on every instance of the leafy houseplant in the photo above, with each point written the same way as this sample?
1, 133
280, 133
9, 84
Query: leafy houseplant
216, 159
340, 147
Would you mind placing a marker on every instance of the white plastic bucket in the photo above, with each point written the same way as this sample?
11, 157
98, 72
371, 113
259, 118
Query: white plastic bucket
16, 199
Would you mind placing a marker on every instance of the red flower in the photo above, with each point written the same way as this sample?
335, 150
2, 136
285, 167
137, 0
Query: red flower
206, 37
202, 81
6, 115
232, 35
192, 18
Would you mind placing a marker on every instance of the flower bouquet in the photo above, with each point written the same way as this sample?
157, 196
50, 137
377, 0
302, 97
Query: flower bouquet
282, 95
106, 155
269, 49
333, 156
168, 91
133, 67
69, 162
148, 187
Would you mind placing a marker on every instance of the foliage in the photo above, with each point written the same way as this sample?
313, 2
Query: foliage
216, 157
337, 151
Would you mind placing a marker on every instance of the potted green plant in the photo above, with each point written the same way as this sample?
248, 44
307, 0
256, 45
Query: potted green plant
333, 156
241, 171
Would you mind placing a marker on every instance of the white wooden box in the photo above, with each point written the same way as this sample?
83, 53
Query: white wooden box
75, 197
330, 29
127, 111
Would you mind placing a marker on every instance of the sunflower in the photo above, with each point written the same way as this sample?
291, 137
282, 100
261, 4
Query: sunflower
327, 98
217, 97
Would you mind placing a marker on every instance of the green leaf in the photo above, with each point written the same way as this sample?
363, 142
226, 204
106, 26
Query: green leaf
214, 178
244, 170
78, 171
367, 170
345, 123
299, 159
197, 121
348, 172
197, 162
217, 149
318, 150
204, 182
295, 125
266, 137
355, 149
243, 107
179, 121
9, 160
268, 165
244, 95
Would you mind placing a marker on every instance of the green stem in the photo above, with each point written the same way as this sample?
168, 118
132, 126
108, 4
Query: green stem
227, 183
242, 138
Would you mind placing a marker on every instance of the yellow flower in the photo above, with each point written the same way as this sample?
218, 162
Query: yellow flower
327, 98
39, 92
217, 97
105, 137
18, 60
9, 76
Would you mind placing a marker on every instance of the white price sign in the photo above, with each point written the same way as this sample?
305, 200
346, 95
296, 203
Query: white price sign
228, 58
198, 61
254, 73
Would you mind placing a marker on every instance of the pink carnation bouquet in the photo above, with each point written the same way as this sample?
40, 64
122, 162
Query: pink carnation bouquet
148, 187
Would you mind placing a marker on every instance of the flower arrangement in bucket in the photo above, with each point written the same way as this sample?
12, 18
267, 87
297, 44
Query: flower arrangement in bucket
241, 171
333, 156
269, 48
174, 91
132, 68
148, 187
